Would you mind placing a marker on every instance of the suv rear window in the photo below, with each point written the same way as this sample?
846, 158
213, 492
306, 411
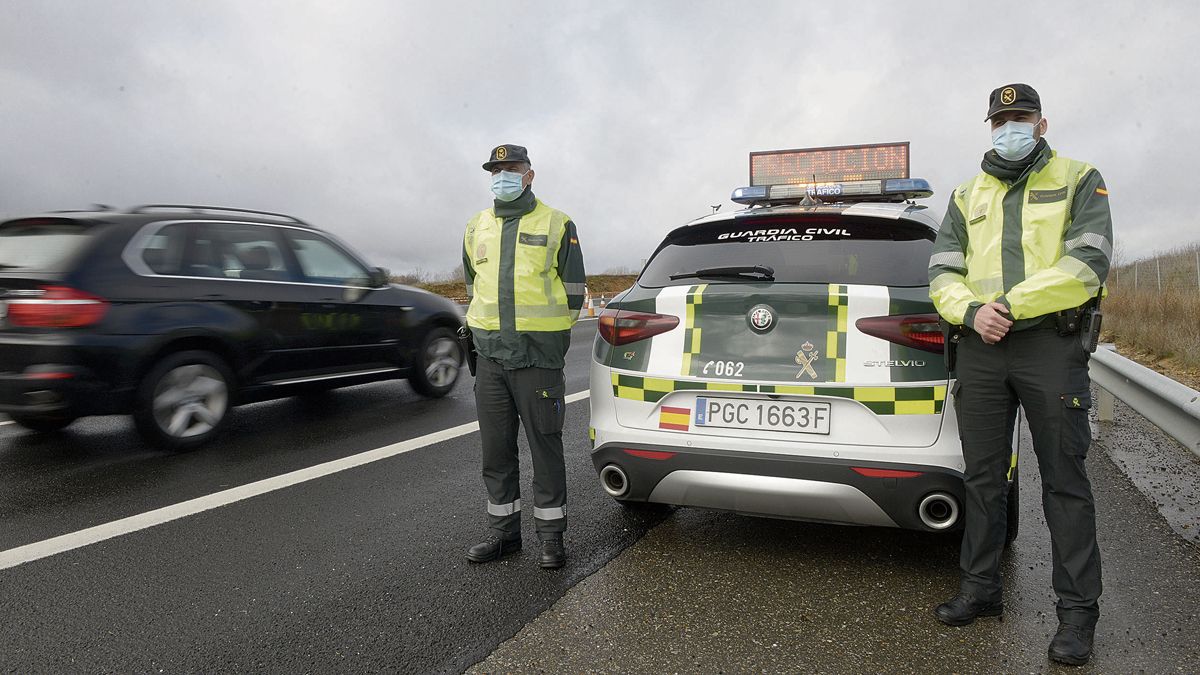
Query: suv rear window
820, 249
42, 245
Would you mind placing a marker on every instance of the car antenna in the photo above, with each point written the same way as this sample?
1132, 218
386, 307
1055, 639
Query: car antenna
715, 207
809, 199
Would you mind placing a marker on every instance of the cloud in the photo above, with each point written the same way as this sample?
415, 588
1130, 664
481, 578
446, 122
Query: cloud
371, 119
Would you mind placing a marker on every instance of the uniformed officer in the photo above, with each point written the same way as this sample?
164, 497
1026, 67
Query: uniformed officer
525, 278
1023, 246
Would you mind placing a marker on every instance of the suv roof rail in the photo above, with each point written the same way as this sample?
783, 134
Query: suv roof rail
95, 207
145, 208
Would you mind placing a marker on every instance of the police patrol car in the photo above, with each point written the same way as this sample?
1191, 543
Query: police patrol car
785, 360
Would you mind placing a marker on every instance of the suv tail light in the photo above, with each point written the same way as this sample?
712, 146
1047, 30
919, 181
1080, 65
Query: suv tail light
619, 327
919, 331
57, 307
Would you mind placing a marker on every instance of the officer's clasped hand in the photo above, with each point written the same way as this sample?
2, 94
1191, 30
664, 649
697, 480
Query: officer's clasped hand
992, 322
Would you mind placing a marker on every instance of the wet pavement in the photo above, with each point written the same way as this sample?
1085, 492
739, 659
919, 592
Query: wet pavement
359, 571
1165, 471
717, 592
364, 570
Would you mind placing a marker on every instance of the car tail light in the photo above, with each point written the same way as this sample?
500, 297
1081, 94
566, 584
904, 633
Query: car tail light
619, 327
919, 331
57, 307
884, 473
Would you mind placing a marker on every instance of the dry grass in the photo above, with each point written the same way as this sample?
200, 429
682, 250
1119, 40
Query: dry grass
598, 284
1160, 326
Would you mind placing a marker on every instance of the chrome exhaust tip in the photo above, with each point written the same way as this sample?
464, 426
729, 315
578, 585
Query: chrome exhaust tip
938, 511
614, 480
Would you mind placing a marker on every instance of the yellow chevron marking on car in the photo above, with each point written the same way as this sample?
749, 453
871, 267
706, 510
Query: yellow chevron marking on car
691, 334
835, 338
910, 400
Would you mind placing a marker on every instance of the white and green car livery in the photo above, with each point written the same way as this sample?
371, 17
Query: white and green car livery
783, 361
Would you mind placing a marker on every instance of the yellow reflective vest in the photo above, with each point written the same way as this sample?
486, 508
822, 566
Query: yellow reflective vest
512, 275
1038, 245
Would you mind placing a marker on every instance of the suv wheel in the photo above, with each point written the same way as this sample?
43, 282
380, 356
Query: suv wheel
42, 422
184, 400
438, 364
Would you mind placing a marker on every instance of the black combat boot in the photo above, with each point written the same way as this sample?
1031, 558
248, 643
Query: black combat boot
964, 607
1071, 645
553, 554
494, 548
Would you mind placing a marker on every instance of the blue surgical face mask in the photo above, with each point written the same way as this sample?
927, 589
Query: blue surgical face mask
1014, 140
506, 185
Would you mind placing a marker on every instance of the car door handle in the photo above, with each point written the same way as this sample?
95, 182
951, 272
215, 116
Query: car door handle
212, 296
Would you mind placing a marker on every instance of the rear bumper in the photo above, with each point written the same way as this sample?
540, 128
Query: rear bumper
778, 486
69, 389
64, 373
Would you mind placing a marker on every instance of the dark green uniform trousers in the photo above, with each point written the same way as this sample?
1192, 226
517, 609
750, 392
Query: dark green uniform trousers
505, 398
1046, 373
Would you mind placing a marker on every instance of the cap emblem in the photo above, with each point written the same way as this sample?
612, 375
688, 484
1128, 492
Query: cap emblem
502, 152
1008, 96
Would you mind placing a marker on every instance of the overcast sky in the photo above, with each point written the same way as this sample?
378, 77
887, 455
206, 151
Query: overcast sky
370, 119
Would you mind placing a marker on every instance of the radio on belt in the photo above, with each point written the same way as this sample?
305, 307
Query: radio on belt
847, 173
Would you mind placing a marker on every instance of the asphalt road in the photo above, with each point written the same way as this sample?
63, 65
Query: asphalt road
717, 592
360, 570
363, 570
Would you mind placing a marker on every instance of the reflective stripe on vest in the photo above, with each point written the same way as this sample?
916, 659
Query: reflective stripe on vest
997, 259
539, 295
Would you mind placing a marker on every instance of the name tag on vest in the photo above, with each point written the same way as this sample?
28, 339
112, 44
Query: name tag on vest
532, 239
1047, 196
979, 214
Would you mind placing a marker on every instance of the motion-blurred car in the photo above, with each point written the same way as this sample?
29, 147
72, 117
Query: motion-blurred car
785, 360
176, 313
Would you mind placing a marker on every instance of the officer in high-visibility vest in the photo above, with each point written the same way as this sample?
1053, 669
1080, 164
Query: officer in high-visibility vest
525, 278
1020, 260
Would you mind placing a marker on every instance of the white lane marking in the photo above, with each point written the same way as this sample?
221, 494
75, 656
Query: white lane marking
7, 422
93, 535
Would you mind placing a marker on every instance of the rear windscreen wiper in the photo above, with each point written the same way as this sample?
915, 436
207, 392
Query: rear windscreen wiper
737, 271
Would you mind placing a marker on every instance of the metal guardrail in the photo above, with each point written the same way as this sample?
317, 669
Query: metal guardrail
1169, 405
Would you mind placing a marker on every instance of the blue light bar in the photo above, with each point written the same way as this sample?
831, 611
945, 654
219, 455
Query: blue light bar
911, 188
750, 195
888, 190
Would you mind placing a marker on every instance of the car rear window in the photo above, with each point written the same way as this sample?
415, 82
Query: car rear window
41, 245
827, 249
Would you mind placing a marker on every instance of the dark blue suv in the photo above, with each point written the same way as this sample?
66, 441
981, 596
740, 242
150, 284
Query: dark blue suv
175, 313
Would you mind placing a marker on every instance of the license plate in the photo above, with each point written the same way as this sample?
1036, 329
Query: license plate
743, 413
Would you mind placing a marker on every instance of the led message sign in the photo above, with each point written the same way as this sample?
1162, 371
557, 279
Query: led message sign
839, 164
